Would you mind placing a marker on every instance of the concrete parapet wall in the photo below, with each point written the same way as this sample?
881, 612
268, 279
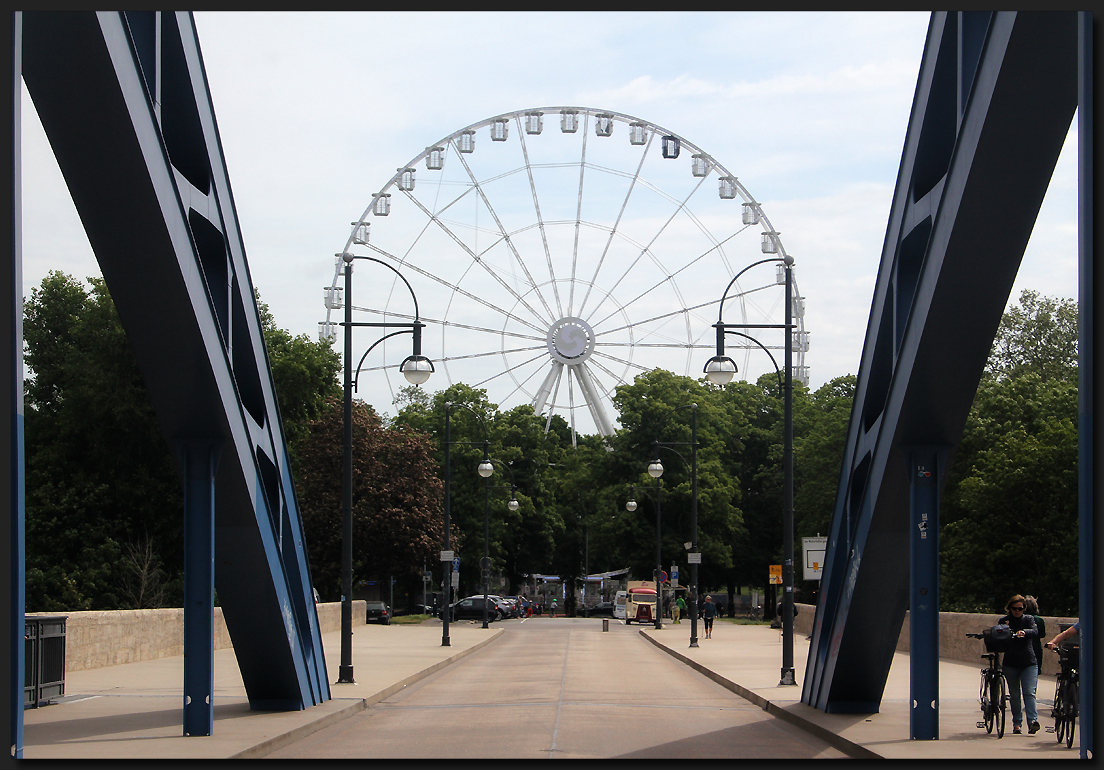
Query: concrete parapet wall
109, 638
953, 627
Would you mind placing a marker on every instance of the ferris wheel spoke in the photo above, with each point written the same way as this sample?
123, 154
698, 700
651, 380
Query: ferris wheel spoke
648, 248
468, 294
669, 279
555, 395
653, 319
624, 361
617, 222
521, 385
513, 250
540, 219
506, 371
578, 217
476, 259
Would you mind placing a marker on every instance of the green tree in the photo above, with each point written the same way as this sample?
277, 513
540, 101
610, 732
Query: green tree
1009, 511
305, 377
103, 501
397, 514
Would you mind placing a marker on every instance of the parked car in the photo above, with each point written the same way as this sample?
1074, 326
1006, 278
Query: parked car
472, 609
601, 610
378, 612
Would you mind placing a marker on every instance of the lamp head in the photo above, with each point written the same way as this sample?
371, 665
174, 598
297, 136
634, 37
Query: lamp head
416, 369
720, 370
630, 506
655, 469
485, 469
513, 505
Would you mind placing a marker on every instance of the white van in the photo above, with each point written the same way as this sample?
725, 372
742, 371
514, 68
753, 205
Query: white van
619, 605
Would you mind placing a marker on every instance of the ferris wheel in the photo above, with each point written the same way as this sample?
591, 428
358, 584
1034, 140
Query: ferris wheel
554, 263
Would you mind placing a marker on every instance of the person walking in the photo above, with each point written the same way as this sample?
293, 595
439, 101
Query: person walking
1021, 669
680, 608
1031, 607
709, 611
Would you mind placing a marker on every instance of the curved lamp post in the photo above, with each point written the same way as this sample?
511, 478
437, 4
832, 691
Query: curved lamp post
485, 469
417, 369
719, 370
695, 560
655, 470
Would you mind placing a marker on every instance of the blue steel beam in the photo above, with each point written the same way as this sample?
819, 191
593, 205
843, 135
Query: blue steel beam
993, 104
124, 102
12, 471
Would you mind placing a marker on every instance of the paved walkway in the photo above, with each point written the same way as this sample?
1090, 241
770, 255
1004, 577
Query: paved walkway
135, 711
748, 660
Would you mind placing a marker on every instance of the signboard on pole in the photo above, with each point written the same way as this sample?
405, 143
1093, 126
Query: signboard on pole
814, 549
446, 555
693, 558
776, 574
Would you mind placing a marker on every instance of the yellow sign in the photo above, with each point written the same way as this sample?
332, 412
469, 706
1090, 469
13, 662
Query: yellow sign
776, 574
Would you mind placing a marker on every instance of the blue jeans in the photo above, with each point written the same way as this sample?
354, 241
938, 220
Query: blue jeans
1025, 680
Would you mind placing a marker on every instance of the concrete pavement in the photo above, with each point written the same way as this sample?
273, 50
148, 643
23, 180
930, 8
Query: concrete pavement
748, 660
135, 710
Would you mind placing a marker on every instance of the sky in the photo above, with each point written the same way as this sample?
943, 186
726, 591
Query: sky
316, 111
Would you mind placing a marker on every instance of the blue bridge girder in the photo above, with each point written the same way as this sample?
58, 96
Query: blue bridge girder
993, 104
124, 102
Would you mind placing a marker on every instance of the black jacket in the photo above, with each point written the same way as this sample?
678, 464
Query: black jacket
1020, 654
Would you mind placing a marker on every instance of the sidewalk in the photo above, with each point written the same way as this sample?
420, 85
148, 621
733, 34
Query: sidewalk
135, 711
748, 660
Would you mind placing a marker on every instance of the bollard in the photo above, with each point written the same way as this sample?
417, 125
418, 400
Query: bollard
605, 624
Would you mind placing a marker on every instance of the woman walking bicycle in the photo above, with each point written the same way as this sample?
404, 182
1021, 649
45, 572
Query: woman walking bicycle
1021, 669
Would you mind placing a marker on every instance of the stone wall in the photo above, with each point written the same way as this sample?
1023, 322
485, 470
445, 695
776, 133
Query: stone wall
953, 627
109, 638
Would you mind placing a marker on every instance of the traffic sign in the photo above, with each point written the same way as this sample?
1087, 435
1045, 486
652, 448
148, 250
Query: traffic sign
662, 576
814, 549
456, 564
446, 555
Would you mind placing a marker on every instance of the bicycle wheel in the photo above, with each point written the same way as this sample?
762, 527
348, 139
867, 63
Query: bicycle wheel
987, 708
998, 696
1059, 710
1070, 707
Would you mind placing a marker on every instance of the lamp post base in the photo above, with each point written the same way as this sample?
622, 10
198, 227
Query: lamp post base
345, 675
787, 677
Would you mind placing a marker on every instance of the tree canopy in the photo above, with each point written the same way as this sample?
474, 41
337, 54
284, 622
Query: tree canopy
1009, 516
105, 512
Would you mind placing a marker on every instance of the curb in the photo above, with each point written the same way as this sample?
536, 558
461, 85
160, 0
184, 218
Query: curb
279, 741
853, 750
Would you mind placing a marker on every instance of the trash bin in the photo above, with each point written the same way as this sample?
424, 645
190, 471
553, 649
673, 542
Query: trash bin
44, 663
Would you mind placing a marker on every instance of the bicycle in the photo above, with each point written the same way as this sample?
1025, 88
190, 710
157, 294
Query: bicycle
1066, 696
994, 693
753, 613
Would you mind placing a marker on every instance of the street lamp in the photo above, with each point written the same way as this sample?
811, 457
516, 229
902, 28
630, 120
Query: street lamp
655, 470
417, 369
485, 469
719, 370
693, 545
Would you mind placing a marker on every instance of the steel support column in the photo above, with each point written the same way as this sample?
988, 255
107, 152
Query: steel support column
199, 459
924, 466
1086, 465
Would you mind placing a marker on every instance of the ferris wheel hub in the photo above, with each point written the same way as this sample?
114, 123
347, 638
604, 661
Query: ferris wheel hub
570, 340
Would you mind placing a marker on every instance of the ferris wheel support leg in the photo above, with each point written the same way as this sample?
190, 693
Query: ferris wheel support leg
546, 387
582, 375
